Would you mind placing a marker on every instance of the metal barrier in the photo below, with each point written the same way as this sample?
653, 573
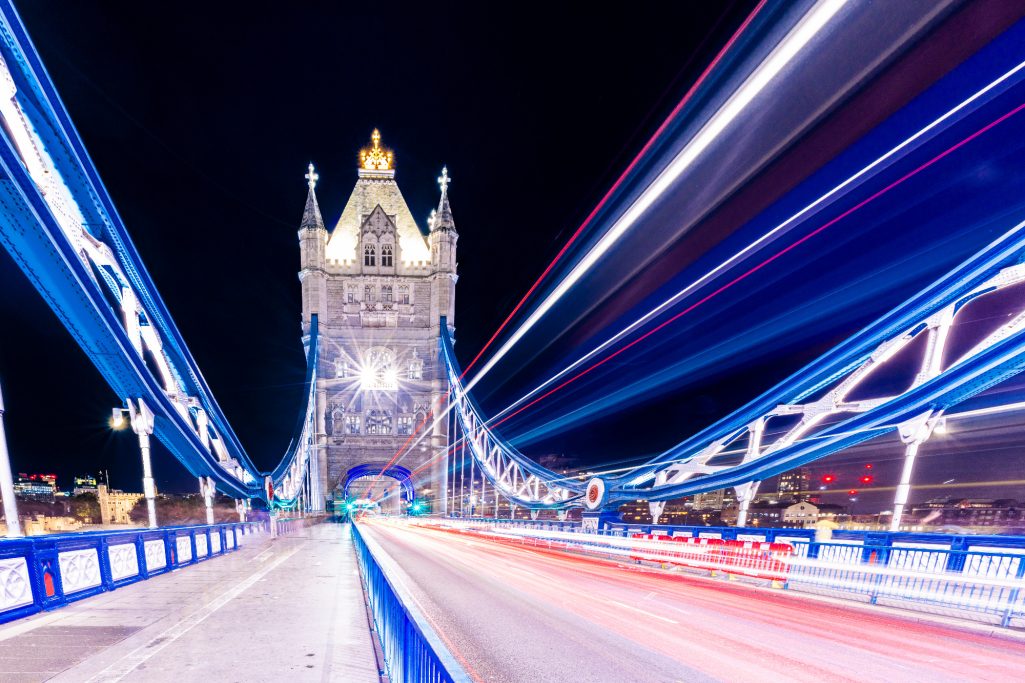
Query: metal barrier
412, 650
46, 572
283, 526
978, 585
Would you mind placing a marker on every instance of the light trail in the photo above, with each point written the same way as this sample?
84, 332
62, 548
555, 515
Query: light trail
788, 48
619, 181
772, 234
759, 266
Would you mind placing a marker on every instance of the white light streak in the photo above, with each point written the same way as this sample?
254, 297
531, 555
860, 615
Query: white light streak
704, 279
788, 48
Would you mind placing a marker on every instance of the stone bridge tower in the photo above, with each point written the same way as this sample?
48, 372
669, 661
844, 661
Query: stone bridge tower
379, 286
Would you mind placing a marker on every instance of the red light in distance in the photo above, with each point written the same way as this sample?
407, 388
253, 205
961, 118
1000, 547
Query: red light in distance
829, 479
867, 479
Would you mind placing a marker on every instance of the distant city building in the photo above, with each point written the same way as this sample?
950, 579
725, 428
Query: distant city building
794, 484
675, 513
975, 512
86, 484
714, 500
115, 505
785, 514
36, 486
805, 514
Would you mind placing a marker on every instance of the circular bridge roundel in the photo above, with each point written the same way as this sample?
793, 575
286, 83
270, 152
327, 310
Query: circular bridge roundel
595, 494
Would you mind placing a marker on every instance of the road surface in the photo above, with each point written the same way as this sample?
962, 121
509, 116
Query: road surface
513, 613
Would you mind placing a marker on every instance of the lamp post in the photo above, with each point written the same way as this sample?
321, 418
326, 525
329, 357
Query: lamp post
141, 419
7, 481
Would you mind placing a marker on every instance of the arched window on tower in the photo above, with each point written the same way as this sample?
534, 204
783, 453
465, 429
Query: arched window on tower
404, 294
386, 256
369, 255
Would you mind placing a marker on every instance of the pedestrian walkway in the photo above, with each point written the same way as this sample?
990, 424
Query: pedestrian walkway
290, 609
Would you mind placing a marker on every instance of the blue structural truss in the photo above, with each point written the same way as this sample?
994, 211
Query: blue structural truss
60, 226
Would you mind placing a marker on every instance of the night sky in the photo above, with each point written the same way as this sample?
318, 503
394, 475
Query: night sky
201, 120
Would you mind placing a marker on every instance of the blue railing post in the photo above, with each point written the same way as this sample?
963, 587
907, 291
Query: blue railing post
1015, 595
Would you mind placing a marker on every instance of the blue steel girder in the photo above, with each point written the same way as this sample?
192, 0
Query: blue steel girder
62, 229
688, 467
515, 476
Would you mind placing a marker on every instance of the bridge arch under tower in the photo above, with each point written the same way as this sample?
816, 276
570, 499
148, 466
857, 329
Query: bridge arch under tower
370, 471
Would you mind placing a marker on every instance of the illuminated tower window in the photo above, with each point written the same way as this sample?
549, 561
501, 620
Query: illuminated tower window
405, 425
368, 294
386, 256
378, 372
379, 422
404, 293
416, 366
352, 424
385, 289
369, 255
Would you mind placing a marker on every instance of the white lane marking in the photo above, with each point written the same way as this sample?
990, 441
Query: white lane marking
643, 611
131, 661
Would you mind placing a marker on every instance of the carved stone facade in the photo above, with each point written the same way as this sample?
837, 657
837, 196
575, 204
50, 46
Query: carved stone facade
379, 287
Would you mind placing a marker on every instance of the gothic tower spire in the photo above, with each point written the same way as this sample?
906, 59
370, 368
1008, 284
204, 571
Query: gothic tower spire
311, 214
312, 243
442, 219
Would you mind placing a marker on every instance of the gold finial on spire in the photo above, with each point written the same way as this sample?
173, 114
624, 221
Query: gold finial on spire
376, 158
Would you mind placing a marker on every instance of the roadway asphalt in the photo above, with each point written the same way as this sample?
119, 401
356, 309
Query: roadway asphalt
513, 613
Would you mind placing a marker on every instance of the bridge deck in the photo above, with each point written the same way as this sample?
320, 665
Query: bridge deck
288, 609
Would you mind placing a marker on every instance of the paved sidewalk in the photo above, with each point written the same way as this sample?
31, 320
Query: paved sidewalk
288, 609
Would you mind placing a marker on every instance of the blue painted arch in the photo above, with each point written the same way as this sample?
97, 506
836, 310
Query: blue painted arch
399, 474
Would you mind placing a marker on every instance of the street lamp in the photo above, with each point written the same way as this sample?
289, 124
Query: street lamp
140, 417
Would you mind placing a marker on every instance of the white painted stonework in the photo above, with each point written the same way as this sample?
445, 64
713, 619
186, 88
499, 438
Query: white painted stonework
184, 546
200, 545
80, 569
156, 555
15, 589
215, 541
124, 561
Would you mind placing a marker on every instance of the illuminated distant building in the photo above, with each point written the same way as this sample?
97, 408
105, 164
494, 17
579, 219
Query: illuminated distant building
115, 505
794, 484
36, 486
804, 514
714, 500
379, 284
86, 484
972, 512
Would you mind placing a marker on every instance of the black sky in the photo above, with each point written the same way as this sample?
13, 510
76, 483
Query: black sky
202, 117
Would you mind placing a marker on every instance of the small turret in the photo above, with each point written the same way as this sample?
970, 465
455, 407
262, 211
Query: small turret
312, 242
443, 252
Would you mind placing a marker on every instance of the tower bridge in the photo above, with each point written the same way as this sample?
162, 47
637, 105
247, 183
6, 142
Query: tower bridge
436, 589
